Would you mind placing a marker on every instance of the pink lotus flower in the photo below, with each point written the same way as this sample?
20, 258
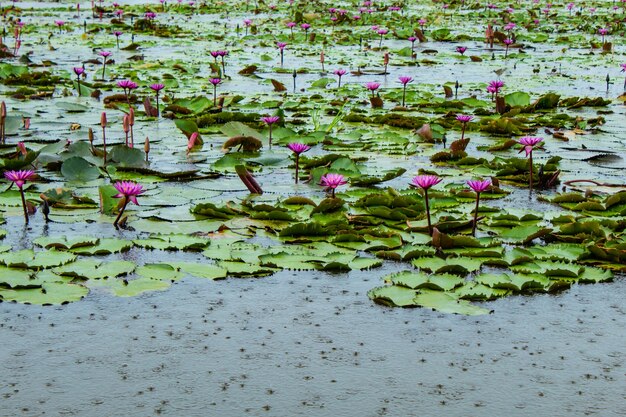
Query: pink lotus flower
297, 149
281, 45
157, 87
425, 181
404, 80
495, 86
478, 187
464, 119
530, 143
332, 181
127, 84
105, 54
340, 73
270, 120
372, 86
461, 49
19, 177
215, 82
79, 71
291, 24
129, 191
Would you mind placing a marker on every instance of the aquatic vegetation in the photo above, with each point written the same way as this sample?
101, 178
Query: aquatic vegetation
478, 186
403, 85
19, 178
128, 192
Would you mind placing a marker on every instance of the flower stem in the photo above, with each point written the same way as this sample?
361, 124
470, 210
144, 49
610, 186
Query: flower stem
430, 227
475, 215
119, 216
463, 132
530, 160
24, 206
157, 103
270, 136
403, 94
297, 166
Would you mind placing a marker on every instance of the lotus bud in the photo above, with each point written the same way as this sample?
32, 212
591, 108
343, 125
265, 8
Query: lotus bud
90, 136
131, 117
103, 120
3, 110
386, 58
192, 141
22, 148
126, 124
146, 147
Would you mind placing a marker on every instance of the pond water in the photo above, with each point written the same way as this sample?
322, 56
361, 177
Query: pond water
310, 344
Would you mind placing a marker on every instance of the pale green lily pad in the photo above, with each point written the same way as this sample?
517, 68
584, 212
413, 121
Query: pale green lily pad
447, 303
105, 246
199, 270
96, 269
162, 272
49, 294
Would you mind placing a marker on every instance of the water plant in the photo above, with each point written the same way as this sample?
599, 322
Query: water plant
105, 56
157, 87
425, 182
464, 119
79, 71
332, 181
269, 121
341, 72
128, 192
281, 48
117, 34
404, 80
478, 186
529, 143
297, 149
19, 178
127, 86
215, 82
